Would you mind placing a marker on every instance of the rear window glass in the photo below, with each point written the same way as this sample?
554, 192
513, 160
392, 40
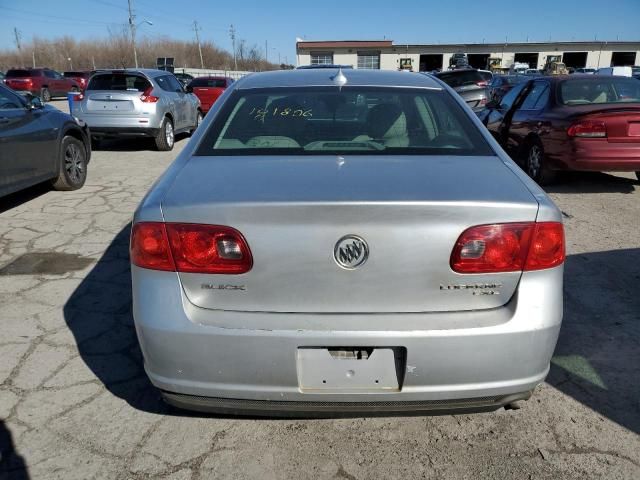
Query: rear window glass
353, 120
74, 74
600, 90
209, 82
118, 81
461, 78
22, 73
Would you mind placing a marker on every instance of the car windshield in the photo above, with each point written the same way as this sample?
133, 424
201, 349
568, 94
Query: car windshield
461, 78
351, 120
19, 73
209, 82
601, 90
119, 81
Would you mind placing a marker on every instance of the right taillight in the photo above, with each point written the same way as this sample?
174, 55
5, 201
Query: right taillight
189, 247
588, 129
509, 247
146, 96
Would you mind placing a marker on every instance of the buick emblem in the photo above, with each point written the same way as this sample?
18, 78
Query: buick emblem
351, 251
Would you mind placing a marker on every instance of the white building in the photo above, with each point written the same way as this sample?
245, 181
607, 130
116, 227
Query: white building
386, 55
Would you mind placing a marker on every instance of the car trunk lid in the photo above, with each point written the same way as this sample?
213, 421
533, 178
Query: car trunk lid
111, 102
293, 211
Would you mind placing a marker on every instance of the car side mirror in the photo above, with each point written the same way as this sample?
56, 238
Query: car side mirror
34, 103
188, 89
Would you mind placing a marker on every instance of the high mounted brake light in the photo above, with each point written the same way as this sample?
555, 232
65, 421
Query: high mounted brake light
509, 247
189, 247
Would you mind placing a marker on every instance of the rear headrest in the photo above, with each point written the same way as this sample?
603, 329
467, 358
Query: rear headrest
386, 120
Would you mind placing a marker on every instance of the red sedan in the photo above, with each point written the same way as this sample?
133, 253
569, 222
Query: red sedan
208, 89
577, 122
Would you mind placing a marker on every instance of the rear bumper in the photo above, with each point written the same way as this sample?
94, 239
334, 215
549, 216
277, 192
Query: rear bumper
123, 132
601, 155
238, 356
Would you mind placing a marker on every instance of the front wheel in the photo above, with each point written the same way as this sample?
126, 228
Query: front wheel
72, 167
199, 118
166, 136
536, 165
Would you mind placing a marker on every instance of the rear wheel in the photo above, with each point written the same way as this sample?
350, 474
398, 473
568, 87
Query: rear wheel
45, 94
536, 166
199, 118
72, 167
166, 136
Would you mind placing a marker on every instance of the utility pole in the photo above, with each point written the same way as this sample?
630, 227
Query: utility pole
132, 28
266, 51
33, 57
232, 34
197, 29
17, 40
93, 61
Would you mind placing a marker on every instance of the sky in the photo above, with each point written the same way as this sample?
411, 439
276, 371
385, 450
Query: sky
279, 22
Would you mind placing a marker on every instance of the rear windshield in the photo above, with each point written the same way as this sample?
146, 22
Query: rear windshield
118, 81
600, 90
353, 120
22, 73
74, 74
209, 82
461, 78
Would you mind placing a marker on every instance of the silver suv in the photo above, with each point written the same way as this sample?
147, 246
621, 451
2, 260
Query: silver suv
140, 102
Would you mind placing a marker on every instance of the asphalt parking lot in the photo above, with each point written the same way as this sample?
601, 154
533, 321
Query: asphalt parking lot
75, 402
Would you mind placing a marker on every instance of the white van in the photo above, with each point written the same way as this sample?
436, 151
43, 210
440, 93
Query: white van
620, 71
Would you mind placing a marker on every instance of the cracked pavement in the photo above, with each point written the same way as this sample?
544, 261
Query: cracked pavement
75, 403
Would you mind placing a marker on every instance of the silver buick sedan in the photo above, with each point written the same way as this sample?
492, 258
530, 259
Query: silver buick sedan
353, 241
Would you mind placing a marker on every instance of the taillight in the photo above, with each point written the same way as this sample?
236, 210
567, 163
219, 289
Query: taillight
78, 98
146, 96
188, 247
588, 129
482, 83
509, 247
149, 247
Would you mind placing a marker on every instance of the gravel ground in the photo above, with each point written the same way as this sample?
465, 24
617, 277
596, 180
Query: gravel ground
75, 403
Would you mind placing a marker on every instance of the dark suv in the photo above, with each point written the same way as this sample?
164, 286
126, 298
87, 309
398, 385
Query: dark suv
41, 82
470, 84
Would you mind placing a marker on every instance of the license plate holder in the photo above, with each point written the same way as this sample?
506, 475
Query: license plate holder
325, 370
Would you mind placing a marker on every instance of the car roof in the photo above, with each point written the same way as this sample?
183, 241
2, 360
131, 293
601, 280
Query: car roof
149, 72
324, 77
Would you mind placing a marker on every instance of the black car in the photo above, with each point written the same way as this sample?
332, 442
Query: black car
40, 143
184, 78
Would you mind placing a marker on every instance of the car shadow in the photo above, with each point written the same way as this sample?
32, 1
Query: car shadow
23, 196
131, 144
12, 465
592, 182
597, 360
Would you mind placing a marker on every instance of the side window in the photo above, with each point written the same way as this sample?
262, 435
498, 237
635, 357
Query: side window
9, 101
174, 84
511, 96
543, 99
57, 76
534, 96
49, 74
164, 83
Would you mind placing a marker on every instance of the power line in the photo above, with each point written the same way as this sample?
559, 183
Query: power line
232, 34
67, 19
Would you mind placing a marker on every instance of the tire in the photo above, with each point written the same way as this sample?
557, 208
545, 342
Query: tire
166, 136
72, 165
199, 118
536, 166
45, 95
638, 175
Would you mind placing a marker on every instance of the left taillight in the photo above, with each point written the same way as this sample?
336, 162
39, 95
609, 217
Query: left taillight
188, 247
146, 96
588, 129
78, 98
509, 247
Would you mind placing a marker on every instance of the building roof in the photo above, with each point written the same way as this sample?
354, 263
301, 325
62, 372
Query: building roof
345, 44
324, 77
